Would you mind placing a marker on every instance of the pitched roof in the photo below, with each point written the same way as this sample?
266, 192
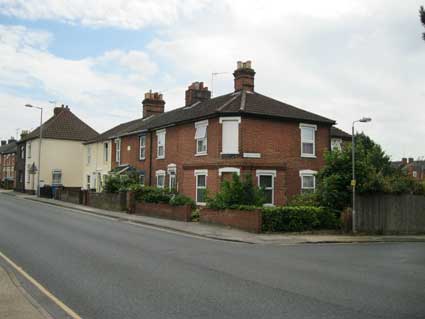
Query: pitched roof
64, 126
8, 148
336, 132
235, 103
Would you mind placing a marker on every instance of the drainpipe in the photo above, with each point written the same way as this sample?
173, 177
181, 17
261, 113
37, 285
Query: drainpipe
150, 159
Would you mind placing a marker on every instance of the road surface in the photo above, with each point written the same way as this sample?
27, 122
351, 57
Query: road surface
110, 269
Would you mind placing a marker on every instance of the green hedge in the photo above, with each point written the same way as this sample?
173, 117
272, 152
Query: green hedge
149, 194
298, 219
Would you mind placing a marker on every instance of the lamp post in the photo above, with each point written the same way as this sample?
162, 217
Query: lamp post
353, 181
39, 145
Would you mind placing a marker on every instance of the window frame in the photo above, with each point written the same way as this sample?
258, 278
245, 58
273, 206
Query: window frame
159, 134
308, 173
271, 173
222, 120
118, 150
88, 154
106, 152
55, 171
142, 147
197, 173
313, 141
204, 139
160, 173
142, 179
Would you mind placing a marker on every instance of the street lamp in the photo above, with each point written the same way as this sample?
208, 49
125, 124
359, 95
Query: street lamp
39, 146
353, 181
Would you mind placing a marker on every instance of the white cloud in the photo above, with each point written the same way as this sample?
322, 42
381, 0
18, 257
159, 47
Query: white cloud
127, 14
340, 58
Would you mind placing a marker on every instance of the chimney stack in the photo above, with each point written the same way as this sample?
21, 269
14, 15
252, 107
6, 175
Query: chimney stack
197, 92
57, 110
411, 160
244, 76
3, 142
404, 160
24, 133
153, 104
11, 140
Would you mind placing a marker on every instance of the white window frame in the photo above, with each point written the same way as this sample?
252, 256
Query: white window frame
199, 125
272, 173
172, 174
160, 173
229, 170
160, 133
308, 172
415, 174
229, 119
118, 150
313, 141
202, 172
106, 152
142, 147
55, 171
336, 144
142, 176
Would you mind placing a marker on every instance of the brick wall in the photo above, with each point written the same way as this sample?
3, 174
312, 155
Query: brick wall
278, 142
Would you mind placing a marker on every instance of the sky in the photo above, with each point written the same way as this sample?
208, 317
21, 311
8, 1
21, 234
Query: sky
341, 59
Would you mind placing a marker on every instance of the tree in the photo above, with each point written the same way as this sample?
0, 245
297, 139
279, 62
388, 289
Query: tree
422, 15
373, 166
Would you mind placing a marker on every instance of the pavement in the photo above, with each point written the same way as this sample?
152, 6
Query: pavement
15, 303
226, 233
111, 268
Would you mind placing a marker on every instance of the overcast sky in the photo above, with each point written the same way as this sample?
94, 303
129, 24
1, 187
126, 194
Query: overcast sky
338, 58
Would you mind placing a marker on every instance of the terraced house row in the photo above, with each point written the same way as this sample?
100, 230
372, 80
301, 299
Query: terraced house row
194, 147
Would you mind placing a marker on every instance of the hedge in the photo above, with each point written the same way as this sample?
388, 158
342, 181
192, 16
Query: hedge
298, 219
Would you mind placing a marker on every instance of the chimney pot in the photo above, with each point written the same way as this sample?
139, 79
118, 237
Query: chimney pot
153, 104
244, 76
196, 92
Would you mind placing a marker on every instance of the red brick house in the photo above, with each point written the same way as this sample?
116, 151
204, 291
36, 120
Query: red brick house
415, 169
196, 146
7, 163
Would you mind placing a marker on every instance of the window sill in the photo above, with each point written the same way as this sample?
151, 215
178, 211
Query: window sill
142, 159
308, 156
201, 154
160, 158
201, 204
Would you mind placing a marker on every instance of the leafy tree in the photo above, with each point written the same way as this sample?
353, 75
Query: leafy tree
372, 167
237, 193
422, 16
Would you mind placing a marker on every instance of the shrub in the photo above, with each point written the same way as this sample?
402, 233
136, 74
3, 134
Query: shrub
180, 200
308, 199
112, 184
297, 219
154, 195
236, 193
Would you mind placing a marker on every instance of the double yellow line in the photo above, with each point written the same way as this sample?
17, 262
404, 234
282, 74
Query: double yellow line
40, 287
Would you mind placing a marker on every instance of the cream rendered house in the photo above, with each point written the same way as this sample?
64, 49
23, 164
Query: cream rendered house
97, 158
62, 151
97, 164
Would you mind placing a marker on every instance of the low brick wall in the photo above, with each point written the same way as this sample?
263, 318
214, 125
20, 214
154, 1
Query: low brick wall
181, 213
70, 195
246, 220
108, 201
